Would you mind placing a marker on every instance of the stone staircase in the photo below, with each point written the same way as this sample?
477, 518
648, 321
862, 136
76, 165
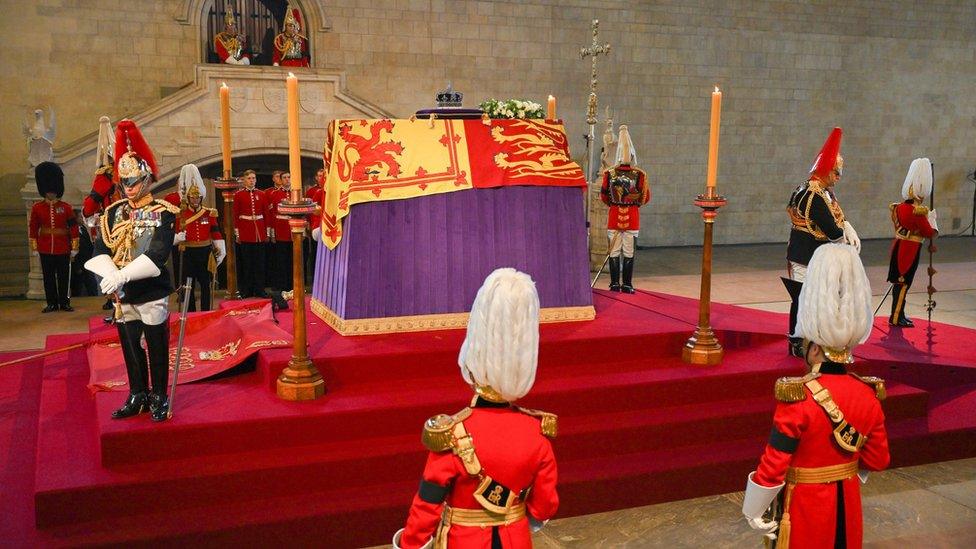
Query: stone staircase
14, 258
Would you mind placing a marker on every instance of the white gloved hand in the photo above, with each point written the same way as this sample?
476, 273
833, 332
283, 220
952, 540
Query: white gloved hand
237, 236
35, 253
74, 253
850, 235
92, 222
231, 61
759, 523
933, 220
317, 234
275, 64
535, 524
396, 541
111, 282
220, 251
244, 61
863, 475
271, 237
179, 237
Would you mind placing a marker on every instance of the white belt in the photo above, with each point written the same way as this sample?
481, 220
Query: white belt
252, 217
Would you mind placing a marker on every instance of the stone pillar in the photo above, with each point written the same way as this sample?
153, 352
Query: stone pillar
35, 281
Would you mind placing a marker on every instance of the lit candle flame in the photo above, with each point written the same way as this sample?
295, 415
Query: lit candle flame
291, 75
223, 84
716, 89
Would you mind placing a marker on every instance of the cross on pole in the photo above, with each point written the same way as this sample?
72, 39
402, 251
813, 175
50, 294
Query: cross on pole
593, 50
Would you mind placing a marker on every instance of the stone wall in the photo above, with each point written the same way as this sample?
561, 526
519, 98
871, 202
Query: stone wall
896, 74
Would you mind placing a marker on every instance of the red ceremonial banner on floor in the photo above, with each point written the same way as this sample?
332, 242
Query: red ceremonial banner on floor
383, 159
215, 341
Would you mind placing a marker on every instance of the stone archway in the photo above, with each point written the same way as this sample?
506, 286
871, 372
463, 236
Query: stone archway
185, 127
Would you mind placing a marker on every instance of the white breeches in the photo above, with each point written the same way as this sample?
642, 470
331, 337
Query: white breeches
151, 313
625, 242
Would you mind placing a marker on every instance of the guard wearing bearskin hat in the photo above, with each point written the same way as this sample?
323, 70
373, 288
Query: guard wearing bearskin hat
135, 237
201, 246
230, 45
291, 47
913, 223
828, 424
625, 190
491, 473
53, 232
816, 218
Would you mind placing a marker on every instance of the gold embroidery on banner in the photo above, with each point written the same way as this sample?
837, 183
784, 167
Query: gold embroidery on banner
246, 311
268, 343
186, 359
423, 323
229, 349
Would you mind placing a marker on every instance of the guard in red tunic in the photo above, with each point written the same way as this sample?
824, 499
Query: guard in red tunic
816, 218
201, 246
53, 235
828, 424
316, 193
625, 190
280, 234
913, 224
490, 476
251, 233
291, 47
231, 46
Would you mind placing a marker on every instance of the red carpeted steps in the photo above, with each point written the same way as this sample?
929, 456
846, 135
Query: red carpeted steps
236, 465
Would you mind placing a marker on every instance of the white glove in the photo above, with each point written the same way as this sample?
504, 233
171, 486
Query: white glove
396, 541
275, 64
92, 222
74, 253
179, 237
102, 265
270, 234
220, 251
35, 253
231, 61
756, 501
933, 220
863, 475
244, 61
317, 234
237, 236
141, 267
850, 235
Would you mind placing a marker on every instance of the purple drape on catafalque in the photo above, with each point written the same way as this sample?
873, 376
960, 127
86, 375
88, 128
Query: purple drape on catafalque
429, 255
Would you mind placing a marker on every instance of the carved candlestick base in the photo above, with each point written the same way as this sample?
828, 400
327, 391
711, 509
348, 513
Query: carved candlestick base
702, 347
227, 187
300, 380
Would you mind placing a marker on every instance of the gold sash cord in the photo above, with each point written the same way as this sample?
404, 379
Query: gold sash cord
808, 475
474, 517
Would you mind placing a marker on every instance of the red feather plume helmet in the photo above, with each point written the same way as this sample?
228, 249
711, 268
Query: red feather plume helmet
135, 161
829, 158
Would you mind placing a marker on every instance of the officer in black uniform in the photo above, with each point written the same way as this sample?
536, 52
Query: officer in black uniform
135, 237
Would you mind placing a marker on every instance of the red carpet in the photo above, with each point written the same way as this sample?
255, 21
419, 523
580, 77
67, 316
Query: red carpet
238, 466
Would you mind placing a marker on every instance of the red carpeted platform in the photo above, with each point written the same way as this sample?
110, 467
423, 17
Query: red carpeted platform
238, 466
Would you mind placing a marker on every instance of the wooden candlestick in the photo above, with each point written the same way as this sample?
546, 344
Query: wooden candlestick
703, 347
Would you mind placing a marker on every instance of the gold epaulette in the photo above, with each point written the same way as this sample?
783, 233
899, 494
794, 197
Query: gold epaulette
876, 383
160, 205
792, 389
437, 436
213, 211
918, 209
549, 423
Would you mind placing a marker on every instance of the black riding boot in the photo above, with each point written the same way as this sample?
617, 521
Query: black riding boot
615, 274
899, 293
130, 333
795, 343
628, 287
157, 339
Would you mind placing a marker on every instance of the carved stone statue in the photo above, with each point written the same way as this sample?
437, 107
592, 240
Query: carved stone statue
40, 137
609, 145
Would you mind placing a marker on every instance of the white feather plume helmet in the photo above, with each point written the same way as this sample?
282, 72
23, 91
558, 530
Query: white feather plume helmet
106, 143
500, 353
190, 178
918, 181
625, 148
835, 302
